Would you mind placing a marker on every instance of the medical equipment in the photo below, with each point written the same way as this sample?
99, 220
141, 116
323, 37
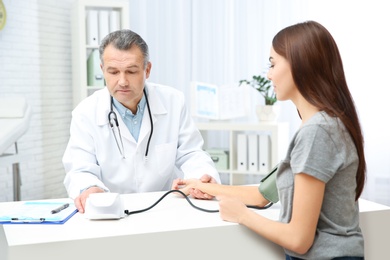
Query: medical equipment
113, 120
104, 205
268, 187
110, 206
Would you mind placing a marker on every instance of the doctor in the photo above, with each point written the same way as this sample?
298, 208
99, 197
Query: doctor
155, 141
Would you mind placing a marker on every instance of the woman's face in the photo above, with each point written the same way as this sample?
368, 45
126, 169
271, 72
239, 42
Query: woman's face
280, 75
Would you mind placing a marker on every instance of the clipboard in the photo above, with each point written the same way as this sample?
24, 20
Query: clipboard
39, 212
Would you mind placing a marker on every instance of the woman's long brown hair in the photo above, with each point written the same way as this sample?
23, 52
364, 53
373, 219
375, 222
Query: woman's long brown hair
318, 72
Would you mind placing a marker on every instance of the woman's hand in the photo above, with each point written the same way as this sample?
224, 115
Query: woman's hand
185, 185
231, 209
194, 187
198, 192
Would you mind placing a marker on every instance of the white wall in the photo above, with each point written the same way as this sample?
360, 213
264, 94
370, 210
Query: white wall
35, 62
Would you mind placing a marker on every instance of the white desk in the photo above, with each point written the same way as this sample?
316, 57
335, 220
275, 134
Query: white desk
172, 229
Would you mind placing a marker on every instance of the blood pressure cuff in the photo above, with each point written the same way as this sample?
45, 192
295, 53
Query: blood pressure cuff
268, 188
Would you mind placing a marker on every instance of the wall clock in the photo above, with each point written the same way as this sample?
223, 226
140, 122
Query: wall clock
3, 15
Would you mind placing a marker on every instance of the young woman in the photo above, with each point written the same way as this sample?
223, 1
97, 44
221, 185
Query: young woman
323, 174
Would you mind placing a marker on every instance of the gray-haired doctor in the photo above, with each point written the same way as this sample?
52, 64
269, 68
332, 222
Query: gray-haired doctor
132, 136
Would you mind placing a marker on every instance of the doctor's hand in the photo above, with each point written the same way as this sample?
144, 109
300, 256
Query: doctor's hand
185, 185
190, 186
198, 194
80, 201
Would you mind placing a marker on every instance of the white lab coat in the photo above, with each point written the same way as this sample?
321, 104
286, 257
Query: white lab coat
92, 156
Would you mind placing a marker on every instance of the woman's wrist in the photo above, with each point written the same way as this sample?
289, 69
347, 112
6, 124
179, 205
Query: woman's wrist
245, 216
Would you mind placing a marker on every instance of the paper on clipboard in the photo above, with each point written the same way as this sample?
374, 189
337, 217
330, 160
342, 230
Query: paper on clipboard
38, 212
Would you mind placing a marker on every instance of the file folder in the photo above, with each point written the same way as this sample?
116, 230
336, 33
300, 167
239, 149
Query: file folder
115, 21
264, 153
103, 24
94, 72
253, 153
242, 153
39, 212
92, 28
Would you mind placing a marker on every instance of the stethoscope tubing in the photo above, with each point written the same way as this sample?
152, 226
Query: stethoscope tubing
113, 122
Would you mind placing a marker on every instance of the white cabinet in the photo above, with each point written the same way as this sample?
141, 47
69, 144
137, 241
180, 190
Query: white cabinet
278, 135
91, 21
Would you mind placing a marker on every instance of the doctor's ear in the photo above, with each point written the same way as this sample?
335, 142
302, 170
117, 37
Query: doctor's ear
148, 69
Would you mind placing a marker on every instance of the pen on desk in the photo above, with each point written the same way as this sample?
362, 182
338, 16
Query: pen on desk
16, 220
54, 211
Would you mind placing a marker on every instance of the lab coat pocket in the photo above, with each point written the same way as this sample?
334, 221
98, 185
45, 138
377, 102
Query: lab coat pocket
166, 157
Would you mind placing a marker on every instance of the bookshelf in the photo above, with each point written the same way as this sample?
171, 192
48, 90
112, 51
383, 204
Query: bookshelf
91, 21
278, 133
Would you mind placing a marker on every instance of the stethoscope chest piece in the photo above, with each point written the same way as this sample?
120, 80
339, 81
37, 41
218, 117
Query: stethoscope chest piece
113, 121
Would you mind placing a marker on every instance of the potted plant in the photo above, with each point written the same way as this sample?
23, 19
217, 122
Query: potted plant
267, 112
264, 86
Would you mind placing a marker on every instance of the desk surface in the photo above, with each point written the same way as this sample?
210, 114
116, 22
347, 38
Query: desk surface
172, 213
172, 228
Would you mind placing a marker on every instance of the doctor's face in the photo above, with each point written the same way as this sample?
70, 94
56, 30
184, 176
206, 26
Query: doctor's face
125, 74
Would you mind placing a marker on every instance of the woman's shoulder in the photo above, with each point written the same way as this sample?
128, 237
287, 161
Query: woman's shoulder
325, 127
322, 120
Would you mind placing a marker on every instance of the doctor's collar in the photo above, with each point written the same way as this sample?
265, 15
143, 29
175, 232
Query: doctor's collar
122, 109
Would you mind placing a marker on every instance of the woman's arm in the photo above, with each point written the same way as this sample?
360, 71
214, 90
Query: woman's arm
249, 195
298, 234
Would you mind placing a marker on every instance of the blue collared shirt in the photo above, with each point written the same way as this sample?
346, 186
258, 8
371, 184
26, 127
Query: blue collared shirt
133, 122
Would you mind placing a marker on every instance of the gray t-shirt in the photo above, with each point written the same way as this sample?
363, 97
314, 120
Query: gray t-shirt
323, 148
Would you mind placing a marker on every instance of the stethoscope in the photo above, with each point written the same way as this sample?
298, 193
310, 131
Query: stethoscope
113, 120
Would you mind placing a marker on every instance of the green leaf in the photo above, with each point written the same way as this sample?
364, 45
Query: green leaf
264, 86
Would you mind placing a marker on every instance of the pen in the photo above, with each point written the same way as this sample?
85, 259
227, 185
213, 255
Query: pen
54, 211
16, 220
